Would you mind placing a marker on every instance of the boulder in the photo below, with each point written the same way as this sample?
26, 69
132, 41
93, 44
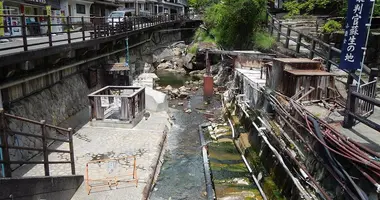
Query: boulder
165, 65
179, 62
175, 92
189, 57
148, 68
166, 54
183, 89
155, 101
169, 88
183, 95
177, 52
189, 66
195, 72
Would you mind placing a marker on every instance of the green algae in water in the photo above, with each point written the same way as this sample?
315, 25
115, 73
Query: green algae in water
271, 190
230, 175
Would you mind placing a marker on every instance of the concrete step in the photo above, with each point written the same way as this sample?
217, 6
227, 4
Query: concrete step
47, 187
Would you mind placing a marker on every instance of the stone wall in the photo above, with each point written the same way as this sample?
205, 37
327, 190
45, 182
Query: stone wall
54, 105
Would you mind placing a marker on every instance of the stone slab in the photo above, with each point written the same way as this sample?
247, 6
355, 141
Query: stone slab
145, 141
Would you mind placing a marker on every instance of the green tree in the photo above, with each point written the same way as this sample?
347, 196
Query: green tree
299, 7
233, 22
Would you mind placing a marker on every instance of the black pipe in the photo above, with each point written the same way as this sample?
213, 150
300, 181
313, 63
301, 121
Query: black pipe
334, 163
209, 185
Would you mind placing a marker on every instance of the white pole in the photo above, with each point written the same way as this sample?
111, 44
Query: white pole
365, 46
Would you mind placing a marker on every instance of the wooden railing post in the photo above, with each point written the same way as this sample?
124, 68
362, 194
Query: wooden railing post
72, 159
44, 148
134, 23
83, 29
23, 32
312, 49
279, 31
112, 26
143, 99
68, 29
272, 26
4, 144
287, 36
328, 60
374, 73
349, 119
49, 30
133, 107
299, 40
125, 23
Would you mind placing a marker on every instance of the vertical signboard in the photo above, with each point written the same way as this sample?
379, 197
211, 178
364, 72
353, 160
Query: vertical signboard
48, 13
355, 34
1, 18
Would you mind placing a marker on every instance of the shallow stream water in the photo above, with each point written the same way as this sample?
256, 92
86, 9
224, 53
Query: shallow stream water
181, 175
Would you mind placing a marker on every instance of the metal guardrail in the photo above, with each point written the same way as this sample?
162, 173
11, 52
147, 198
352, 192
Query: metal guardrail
278, 26
352, 108
44, 137
365, 108
86, 28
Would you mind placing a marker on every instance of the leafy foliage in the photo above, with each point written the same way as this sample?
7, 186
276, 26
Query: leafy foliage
233, 22
298, 7
193, 48
200, 5
263, 40
331, 26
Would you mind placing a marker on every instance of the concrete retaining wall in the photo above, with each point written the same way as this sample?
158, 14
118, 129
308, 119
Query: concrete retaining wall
57, 188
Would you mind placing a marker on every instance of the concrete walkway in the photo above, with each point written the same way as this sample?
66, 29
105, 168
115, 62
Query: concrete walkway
145, 141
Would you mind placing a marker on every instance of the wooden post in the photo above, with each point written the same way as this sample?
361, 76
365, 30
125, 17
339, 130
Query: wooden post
125, 22
143, 99
72, 159
272, 26
68, 30
44, 147
49, 30
4, 144
299, 40
312, 49
287, 37
329, 57
23, 32
279, 31
95, 36
133, 107
373, 74
112, 27
83, 33
348, 119
124, 108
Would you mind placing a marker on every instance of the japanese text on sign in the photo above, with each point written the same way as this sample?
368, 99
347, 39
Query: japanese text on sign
354, 35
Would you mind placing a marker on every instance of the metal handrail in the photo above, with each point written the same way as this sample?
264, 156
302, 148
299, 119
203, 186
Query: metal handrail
5, 147
91, 28
314, 42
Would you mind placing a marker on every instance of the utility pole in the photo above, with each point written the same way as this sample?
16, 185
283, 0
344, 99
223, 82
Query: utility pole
136, 7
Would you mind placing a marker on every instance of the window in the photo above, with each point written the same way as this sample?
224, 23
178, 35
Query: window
81, 9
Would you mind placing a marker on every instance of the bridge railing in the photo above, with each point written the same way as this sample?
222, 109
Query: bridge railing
43, 136
25, 33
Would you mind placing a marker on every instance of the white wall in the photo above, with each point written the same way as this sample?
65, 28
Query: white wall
74, 13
